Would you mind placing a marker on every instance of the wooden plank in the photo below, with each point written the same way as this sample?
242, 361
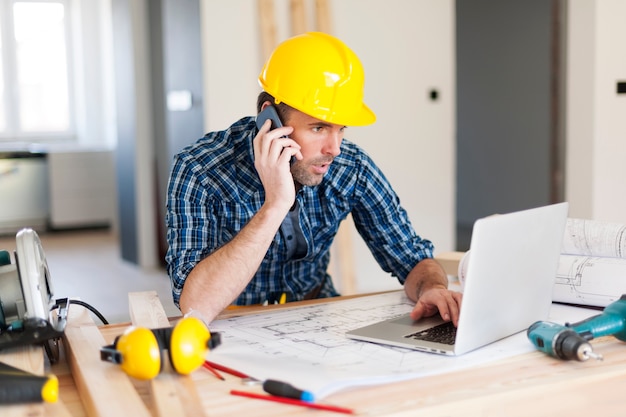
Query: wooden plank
267, 24
29, 359
450, 262
104, 388
323, 17
171, 394
342, 258
146, 310
298, 17
57, 409
69, 403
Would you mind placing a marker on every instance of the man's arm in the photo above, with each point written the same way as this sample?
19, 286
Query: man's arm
220, 277
427, 285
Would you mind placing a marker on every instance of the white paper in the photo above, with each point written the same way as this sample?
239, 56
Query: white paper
307, 346
594, 238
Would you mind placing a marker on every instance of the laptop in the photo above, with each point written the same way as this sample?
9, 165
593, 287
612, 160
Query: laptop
508, 284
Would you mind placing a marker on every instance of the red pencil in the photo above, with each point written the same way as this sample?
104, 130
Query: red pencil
225, 369
292, 402
213, 371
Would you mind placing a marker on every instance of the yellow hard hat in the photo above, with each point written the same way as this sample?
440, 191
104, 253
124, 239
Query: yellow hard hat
319, 75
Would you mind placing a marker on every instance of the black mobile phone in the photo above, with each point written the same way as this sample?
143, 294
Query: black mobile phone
268, 113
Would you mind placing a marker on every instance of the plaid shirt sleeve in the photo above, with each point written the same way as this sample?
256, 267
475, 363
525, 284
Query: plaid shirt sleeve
187, 224
199, 178
384, 224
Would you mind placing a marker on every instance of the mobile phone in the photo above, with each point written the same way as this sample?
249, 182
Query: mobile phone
268, 113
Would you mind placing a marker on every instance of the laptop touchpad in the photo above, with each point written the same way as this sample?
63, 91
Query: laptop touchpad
406, 320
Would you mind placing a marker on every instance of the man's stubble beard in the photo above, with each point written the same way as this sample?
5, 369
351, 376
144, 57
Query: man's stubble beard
301, 174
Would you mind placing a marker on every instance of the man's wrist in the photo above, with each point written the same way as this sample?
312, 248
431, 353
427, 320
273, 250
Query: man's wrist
418, 290
425, 275
422, 287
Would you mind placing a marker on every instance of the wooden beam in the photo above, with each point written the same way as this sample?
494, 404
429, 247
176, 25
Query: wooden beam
171, 394
267, 23
298, 17
342, 257
323, 17
450, 262
104, 388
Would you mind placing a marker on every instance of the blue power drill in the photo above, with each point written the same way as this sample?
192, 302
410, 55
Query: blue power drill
571, 341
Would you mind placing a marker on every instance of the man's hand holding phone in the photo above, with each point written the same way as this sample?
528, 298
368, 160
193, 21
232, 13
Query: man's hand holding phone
274, 152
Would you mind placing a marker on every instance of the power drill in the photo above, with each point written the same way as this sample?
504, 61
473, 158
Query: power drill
571, 341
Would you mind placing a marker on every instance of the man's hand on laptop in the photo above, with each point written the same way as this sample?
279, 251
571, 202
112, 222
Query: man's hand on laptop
438, 299
427, 285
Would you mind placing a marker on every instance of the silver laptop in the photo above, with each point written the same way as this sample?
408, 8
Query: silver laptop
508, 286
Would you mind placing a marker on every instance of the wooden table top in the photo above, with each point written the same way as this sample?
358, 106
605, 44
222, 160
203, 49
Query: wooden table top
524, 385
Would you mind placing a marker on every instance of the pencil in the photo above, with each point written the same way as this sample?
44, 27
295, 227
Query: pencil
225, 369
300, 403
213, 371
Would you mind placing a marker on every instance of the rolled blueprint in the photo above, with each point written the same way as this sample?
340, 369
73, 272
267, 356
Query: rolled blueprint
594, 238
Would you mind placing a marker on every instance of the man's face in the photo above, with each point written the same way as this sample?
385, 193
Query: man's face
319, 141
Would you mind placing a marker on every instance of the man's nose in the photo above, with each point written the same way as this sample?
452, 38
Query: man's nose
333, 144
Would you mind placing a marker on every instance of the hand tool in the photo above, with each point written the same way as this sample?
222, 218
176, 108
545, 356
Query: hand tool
285, 390
571, 341
18, 386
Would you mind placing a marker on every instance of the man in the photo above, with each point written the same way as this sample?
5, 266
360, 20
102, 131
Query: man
251, 213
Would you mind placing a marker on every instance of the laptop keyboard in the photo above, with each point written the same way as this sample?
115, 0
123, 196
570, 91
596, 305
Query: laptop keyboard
444, 333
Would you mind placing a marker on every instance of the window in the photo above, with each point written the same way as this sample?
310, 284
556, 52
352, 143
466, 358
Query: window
34, 72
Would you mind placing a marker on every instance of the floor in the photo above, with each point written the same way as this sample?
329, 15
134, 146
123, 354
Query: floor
86, 265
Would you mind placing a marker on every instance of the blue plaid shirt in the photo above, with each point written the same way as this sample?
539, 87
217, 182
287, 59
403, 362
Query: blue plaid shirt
214, 190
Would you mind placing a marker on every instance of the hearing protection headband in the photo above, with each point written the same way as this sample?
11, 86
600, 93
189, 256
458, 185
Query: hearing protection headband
139, 350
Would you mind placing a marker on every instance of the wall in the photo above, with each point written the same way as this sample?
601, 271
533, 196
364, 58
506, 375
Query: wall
503, 108
81, 187
177, 68
413, 138
135, 140
396, 58
596, 134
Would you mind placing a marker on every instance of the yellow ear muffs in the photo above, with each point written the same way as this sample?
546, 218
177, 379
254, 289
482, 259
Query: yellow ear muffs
188, 345
137, 351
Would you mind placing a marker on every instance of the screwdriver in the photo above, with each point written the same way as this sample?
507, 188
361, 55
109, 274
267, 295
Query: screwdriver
285, 390
19, 387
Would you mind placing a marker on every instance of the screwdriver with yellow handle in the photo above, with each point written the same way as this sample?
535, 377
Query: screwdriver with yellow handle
20, 387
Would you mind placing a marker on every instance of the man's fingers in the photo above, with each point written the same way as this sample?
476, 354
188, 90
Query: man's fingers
447, 303
417, 312
269, 147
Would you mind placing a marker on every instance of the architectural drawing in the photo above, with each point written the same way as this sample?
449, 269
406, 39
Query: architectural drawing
307, 346
594, 238
589, 280
592, 267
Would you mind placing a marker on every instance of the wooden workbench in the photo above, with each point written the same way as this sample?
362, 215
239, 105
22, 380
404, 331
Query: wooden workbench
529, 384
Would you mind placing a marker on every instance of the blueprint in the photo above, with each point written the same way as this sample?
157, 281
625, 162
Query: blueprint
307, 346
592, 266
589, 280
594, 238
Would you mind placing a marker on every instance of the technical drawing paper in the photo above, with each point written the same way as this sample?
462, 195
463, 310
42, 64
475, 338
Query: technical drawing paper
592, 266
307, 346
589, 280
594, 238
